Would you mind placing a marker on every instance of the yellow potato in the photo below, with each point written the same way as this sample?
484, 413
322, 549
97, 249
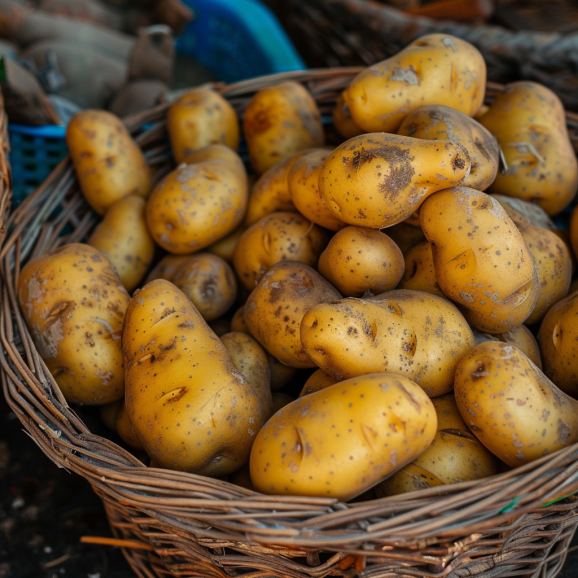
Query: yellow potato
251, 360
455, 455
207, 280
406, 235
216, 151
109, 411
125, 430
279, 121
199, 118
277, 237
225, 247
419, 273
276, 306
108, 163
378, 180
189, 406
481, 259
124, 239
74, 304
359, 260
341, 441
196, 205
530, 211
436, 122
342, 120
303, 181
411, 333
511, 406
238, 321
319, 380
434, 68
529, 122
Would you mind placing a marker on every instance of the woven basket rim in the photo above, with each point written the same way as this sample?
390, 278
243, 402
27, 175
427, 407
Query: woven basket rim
236, 514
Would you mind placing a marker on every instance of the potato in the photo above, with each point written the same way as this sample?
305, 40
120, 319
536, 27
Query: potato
74, 304
279, 121
531, 212
317, 381
125, 430
280, 400
216, 151
207, 280
455, 455
277, 237
529, 122
276, 306
558, 337
359, 260
405, 235
520, 337
190, 408
196, 205
303, 181
108, 163
342, 120
225, 247
553, 265
124, 239
511, 406
436, 122
199, 118
378, 180
432, 69
109, 411
238, 321
242, 478
481, 259
344, 439
419, 272
411, 333
251, 360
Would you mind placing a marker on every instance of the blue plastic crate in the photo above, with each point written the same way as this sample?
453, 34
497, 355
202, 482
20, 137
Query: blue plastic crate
233, 39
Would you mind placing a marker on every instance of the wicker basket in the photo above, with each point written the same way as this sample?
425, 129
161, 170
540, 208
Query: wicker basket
512, 524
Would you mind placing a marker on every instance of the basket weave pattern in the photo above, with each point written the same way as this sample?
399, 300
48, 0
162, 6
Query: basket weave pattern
188, 525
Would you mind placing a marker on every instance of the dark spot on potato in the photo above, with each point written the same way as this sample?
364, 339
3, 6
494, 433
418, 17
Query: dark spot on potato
187, 324
564, 432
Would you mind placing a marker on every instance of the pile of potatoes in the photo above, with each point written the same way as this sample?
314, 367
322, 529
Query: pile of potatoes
396, 280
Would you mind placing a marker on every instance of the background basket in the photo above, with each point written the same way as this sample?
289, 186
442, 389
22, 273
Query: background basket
517, 523
222, 36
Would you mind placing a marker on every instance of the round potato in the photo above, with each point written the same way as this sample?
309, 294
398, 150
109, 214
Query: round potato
359, 260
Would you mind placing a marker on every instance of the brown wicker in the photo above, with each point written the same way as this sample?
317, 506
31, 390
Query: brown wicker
5, 177
362, 32
190, 525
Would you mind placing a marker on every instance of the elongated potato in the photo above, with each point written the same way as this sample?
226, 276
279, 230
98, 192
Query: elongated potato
529, 122
436, 122
275, 308
207, 280
419, 273
481, 259
344, 439
74, 304
411, 333
277, 237
190, 408
511, 406
378, 180
199, 118
108, 163
279, 121
359, 260
433, 69
124, 239
196, 205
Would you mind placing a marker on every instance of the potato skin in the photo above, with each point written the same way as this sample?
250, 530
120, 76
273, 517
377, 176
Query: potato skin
455, 455
207, 280
317, 381
216, 151
124, 239
275, 308
199, 118
406, 235
436, 122
359, 260
74, 305
377, 180
523, 113
511, 406
344, 439
108, 162
190, 408
196, 205
277, 237
410, 333
432, 69
279, 121
419, 272
481, 259
342, 120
